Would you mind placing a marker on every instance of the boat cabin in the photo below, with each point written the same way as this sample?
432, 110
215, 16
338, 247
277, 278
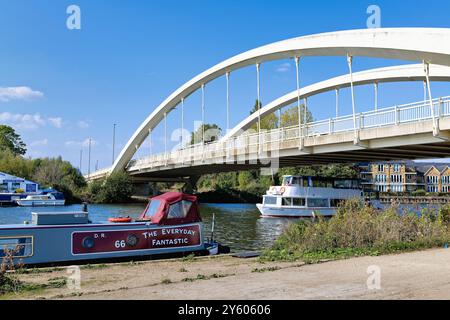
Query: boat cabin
320, 182
172, 208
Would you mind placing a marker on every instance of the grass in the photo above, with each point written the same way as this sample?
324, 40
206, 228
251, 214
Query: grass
357, 230
188, 258
204, 277
268, 269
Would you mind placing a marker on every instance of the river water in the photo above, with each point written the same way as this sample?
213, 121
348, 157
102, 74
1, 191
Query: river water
238, 226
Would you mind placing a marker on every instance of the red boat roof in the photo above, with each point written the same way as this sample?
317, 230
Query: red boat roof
172, 208
172, 197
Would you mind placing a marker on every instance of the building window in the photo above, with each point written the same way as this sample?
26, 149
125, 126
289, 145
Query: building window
445, 179
396, 168
432, 189
432, 179
397, 188
445, 189
381, 167
396, 178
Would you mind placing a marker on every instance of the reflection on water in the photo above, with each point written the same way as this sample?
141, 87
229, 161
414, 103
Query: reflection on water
237, 225
240, 226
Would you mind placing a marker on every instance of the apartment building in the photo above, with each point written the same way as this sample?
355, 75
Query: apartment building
406, 176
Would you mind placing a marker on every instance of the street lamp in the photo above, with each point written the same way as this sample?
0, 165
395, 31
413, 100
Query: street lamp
114, 143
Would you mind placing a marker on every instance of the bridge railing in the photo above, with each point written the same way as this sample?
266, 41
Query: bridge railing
251, 142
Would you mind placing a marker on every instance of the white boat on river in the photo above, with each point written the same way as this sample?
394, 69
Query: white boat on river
40, 200
306, 197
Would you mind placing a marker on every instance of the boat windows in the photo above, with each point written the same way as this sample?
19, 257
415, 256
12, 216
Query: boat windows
295, 180
336, 202
270, 200
18, 247
318, 203
179, 209
286, 181
152, 208
287, 202
299, 202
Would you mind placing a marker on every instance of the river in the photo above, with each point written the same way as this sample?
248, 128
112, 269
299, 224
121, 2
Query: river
237, 225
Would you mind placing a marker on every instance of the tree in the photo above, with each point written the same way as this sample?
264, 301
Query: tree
212, 133
16, 165
289, 117
268, 122
10, 140
117, 188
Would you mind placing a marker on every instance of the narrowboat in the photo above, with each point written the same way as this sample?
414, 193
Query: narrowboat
170, 224
307, 197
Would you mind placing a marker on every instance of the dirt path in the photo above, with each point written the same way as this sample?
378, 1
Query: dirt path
418, 275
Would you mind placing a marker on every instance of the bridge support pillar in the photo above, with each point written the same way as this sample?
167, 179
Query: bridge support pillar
191, 184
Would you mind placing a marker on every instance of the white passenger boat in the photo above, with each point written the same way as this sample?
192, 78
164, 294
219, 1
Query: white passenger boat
305, 197
40, 201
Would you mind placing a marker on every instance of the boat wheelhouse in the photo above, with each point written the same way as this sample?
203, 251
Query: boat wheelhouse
170, 224
300, 196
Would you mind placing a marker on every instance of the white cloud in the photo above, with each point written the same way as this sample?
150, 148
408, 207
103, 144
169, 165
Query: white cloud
19, 93
39, 143
84, 143
23, 121
56, 122
83, 124
285, 67
28, 121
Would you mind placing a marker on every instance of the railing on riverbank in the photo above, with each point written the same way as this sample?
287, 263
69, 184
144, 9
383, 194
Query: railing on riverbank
431, 199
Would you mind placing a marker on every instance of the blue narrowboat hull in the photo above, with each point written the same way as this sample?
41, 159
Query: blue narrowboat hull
54, 244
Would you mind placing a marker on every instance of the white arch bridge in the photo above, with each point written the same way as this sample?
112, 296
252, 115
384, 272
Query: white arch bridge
417, 130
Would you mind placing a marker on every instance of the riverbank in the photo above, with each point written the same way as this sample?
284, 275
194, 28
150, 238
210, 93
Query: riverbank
415, 275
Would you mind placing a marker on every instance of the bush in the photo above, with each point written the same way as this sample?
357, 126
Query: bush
116, 188
360, 230
419, 193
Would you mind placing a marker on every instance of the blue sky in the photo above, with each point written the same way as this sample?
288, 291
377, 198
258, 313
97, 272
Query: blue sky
58, 87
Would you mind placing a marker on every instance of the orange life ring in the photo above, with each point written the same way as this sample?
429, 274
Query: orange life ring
282, 190
120, 220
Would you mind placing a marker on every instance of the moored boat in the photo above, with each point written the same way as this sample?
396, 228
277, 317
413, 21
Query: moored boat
170, 223
306, 197
41, 200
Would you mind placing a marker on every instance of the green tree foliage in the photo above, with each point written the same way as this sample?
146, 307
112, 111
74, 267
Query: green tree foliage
268, 122
16, 165
289, 117
10, 140
328, 171
116, 188
212, 133
52, 172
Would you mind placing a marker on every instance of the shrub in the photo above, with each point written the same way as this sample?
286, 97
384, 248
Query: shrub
419, 193
360, 230
117, 188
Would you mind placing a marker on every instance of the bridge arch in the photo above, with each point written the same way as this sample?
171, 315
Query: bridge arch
381, 75
431, 45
